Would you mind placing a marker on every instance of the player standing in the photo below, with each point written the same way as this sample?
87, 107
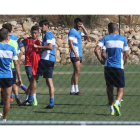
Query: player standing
46, 63
75, 43
7, 54
31, 58
117, 52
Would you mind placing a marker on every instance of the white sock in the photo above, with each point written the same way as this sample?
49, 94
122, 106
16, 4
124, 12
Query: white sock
111, 108
26, 98
4, 120
72, 89
76, 88
117, 102
34, 96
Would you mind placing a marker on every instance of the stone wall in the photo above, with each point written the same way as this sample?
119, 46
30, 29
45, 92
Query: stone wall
62, 47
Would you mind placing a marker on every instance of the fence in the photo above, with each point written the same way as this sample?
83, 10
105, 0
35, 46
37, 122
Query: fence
91, 108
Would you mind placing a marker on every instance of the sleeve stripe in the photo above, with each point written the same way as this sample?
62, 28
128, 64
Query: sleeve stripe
126, 48
100, 44
15, 58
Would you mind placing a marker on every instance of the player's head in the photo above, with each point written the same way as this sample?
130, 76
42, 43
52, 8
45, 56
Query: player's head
112, 28
44, 25
7, 26
3, 35
35, 32
77, 23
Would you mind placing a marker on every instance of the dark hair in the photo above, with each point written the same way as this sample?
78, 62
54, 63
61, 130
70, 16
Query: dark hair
112, 27
77, 20
35, 28
3, 34
44, 22
7, 26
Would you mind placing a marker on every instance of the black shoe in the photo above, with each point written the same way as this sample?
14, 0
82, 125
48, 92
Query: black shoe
78, 93
26, 103
72, 93
49, 107
19, 102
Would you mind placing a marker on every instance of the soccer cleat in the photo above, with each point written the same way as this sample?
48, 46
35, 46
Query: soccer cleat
18, 101
26, 103
2, 102
49, 107
11, 99
118, 113
0, 114
111, 113
72, 93
78, 93
120, 104
35, 102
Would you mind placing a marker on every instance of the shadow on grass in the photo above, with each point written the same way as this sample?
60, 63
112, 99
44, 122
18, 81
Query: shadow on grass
57, 112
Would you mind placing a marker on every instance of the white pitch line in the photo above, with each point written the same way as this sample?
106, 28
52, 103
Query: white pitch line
70, 123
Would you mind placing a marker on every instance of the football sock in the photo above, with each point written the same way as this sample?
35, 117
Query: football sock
24, 87
27, 96
51, 101
16, 96
117, 102
76, 88
34, 96
30, 98
111, 108
12, 94
72, 89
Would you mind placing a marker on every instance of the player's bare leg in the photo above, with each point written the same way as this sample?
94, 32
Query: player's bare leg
119, 94
109, 90
6, 98
75, 76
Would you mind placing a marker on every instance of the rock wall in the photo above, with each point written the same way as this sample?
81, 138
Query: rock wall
22, 30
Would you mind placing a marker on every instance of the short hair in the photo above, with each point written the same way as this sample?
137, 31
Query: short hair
3, 34
112, 27
35, 28
7, 26
77, 20
44, 22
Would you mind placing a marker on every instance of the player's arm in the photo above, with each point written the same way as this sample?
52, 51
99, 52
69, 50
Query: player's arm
15, 60
98, 54
86, 35
125, 56
72, 48
48, 47
103, 54
125, 51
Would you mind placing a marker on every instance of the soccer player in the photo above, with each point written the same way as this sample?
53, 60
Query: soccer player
117, 52
14, 87
7, 54
46, 63
31, 57
75, 43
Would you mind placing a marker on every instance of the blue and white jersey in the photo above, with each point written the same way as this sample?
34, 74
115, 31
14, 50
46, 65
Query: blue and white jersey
48, 54
76, 37
7, 54
114, 44
15, 38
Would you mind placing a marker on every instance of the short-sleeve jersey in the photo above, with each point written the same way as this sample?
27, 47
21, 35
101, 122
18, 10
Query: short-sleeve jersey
31, 57
7, 54
114, 44
15, 45
76, 37
48, 54
15, 38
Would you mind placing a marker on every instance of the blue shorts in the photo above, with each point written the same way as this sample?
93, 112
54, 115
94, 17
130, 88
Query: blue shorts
73, 59
6, 82
14, 76
114, 77
28, 70
45, 68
